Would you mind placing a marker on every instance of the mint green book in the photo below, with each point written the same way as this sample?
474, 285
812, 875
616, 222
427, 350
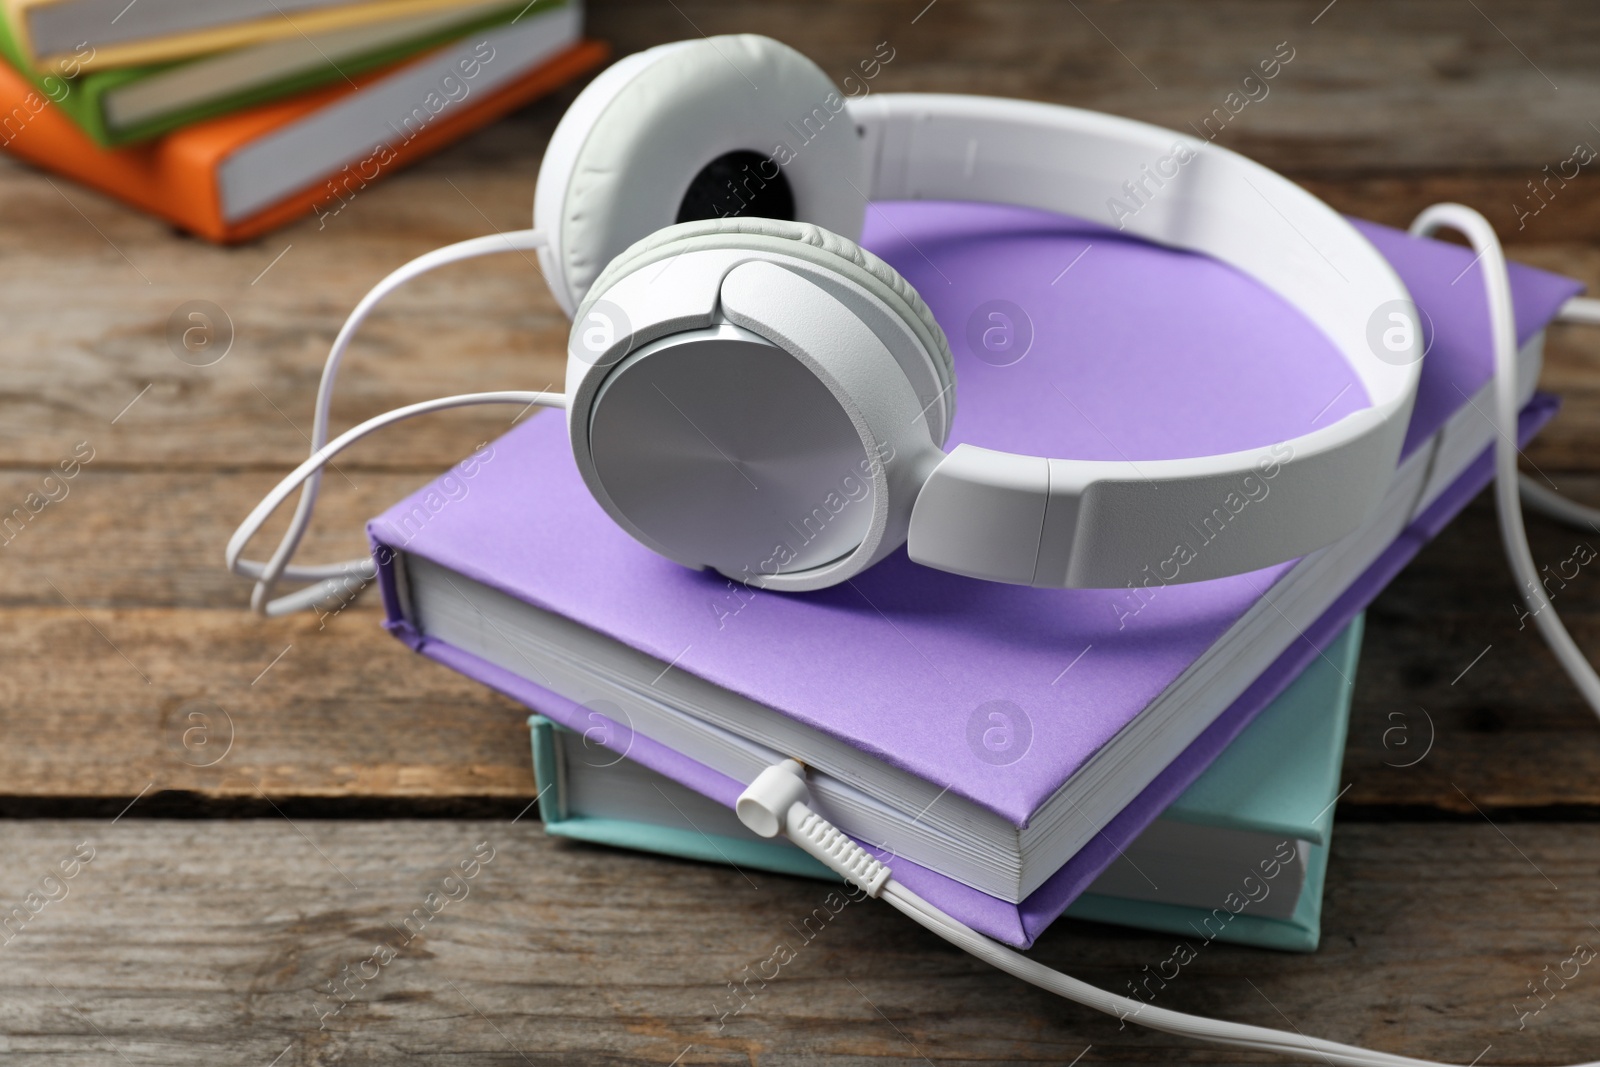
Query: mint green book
1267, 799
125, 105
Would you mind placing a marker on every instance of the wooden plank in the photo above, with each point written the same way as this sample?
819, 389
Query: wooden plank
1384, 108
1372, 86
107, 376
207, 942
102, 703
119, 537
107, 373
1457, 694
349, 713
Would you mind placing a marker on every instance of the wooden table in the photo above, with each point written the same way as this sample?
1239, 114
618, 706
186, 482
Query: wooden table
240, 869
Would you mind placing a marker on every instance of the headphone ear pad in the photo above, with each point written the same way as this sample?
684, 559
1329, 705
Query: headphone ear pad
630, 147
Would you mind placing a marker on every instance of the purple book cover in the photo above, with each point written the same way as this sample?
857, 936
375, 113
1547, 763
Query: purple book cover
1117, 350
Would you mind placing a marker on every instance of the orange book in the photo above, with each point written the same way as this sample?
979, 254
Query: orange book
217, 178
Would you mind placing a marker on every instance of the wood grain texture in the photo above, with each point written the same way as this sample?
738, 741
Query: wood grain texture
348, 713
1385, 107
109, 702
1417, 85
134, 547
208, 942
205, 940
1457, 700
72, 372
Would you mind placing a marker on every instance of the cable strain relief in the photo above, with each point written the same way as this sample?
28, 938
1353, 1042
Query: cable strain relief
764, 805
841, 855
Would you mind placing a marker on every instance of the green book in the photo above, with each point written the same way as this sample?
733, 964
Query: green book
1272, 791
125, 105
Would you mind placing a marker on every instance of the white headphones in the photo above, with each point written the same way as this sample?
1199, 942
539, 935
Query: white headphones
723, 374
726, 374
735, 357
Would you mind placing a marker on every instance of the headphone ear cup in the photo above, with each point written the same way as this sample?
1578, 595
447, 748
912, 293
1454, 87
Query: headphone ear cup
826, 249
721, 126
769, 406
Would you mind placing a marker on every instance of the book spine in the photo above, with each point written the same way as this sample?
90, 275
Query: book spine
185, 44
569, 65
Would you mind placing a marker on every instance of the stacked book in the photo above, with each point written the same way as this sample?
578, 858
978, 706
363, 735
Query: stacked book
1162, 755
230, 117
1256, 824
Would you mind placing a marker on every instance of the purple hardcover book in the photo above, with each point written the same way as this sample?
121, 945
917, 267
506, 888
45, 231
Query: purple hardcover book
1117, 350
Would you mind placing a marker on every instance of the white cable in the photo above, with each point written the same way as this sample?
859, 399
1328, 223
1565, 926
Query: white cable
1580, 309
1551, 504
335, 576
1509, 488
1238, 1035
319, 459
778, 801
1535, 497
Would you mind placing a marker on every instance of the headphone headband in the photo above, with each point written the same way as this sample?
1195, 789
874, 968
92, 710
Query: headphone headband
1056, 522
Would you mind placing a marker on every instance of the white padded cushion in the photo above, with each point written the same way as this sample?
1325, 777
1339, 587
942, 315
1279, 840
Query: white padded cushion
643, 130
803, 241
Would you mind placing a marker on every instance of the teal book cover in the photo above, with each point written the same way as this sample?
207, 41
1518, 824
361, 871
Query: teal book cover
1279, 778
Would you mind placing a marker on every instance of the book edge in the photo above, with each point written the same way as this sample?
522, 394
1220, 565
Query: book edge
1021, 923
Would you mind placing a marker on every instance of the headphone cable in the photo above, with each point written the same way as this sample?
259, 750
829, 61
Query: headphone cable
778, 801
334, 578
